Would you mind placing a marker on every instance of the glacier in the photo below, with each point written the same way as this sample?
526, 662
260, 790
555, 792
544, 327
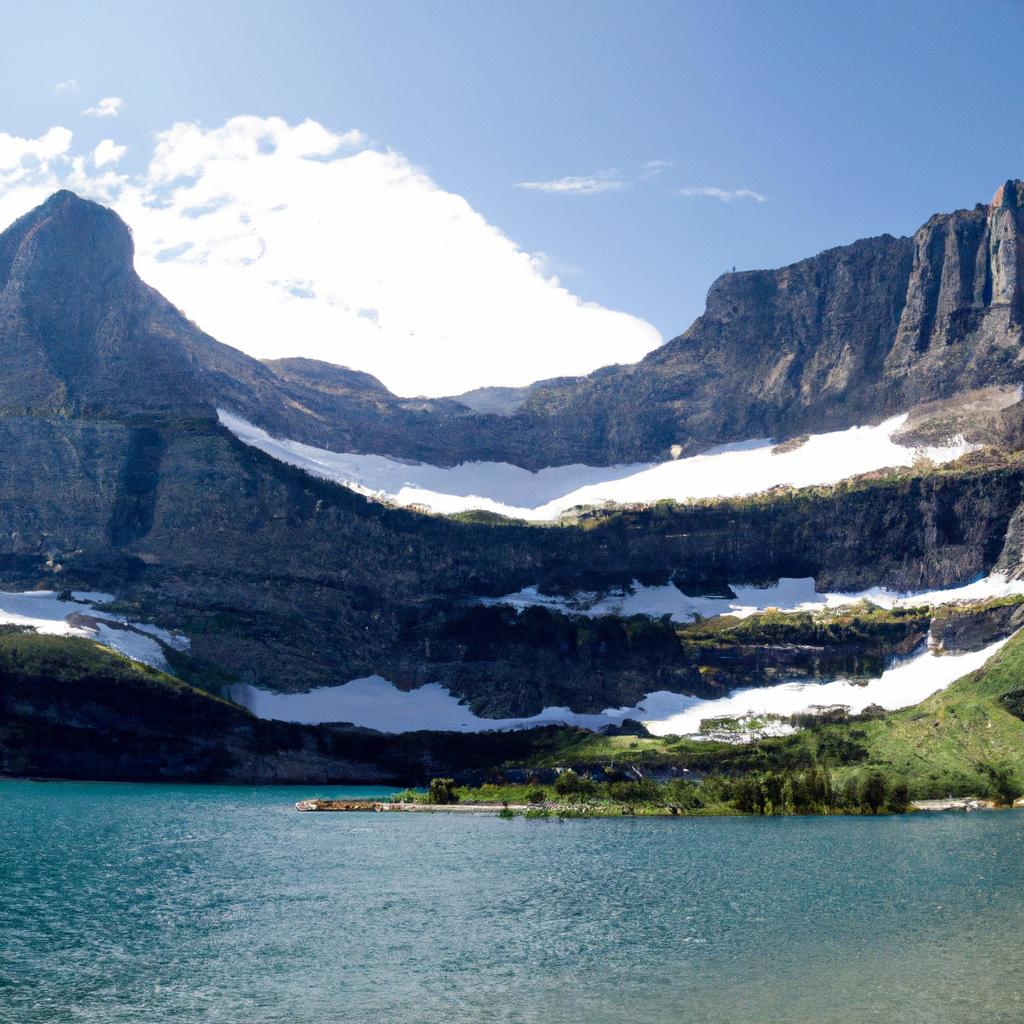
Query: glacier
727, 471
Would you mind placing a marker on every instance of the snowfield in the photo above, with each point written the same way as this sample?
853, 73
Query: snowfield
375, 703
787, 595
731, 470
47, 613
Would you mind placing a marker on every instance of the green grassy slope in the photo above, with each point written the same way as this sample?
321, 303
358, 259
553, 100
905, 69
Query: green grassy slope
964, 740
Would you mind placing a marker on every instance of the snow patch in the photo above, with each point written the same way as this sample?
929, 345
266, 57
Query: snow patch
904, 684
45, 612
790, 594
733, 470
375, 703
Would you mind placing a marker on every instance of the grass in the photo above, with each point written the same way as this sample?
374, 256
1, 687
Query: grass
25, 654
952, 741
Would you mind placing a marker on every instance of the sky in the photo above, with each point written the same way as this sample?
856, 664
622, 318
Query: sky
450, 195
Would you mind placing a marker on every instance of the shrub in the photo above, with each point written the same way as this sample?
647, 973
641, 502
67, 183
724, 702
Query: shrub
569, 783
749, 795
442, 791
716, 789
899, 798
1002, 786
682, 794
874, 791
640, 792
407, 796
536, 795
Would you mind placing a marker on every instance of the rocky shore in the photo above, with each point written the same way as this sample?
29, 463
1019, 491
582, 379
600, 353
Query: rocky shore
378, 805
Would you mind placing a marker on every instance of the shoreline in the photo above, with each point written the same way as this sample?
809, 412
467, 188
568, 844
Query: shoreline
322, 805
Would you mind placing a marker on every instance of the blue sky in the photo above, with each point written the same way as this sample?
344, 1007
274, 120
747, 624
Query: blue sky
848, 119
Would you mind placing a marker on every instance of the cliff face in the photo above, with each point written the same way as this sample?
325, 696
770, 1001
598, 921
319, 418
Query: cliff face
963, 317
845, 337
848, 336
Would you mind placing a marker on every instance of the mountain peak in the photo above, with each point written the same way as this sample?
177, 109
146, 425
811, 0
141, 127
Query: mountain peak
1009, 194
66, 237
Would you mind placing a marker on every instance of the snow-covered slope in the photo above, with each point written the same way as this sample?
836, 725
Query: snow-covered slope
786, 595
377, 704
45, 612
727, 471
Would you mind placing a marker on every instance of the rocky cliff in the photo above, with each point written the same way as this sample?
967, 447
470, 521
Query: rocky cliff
848, 336
115, 475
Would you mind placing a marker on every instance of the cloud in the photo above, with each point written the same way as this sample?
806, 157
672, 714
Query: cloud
289, 240
109, 106
723, 195
107, 152
605, 181
653, 168
69, 86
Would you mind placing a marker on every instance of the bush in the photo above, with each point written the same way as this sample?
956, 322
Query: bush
873, 792
536, 795
749, 795
682, 795
899, 798
716, 789
640, 792
569, 783
1002, 786
407, 796
442, 791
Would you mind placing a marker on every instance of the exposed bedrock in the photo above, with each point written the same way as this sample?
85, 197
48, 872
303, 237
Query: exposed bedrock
289, 582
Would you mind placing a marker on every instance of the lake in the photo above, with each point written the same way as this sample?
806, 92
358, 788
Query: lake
171, 903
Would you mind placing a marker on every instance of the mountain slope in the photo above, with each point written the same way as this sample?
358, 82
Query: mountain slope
846, 337
116, 475
849, 336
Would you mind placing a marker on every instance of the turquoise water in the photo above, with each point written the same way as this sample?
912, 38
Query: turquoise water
162, 903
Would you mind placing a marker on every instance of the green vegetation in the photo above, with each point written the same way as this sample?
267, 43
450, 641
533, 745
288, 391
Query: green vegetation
483, 517
966, 740
28, 655
760, 793
862, 623
442, 791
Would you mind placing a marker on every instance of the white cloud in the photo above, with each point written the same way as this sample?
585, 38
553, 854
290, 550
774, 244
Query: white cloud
605, 181
723, 195
292, 240
107, 152
109, 106
653, 168
18, 155
69, 86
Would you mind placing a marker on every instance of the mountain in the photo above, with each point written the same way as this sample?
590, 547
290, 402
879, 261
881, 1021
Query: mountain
849, 336
116, 475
